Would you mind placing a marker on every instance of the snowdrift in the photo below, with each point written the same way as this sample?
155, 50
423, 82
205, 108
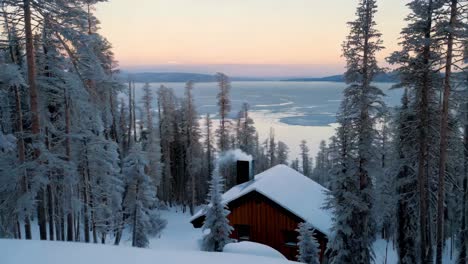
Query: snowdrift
252, 248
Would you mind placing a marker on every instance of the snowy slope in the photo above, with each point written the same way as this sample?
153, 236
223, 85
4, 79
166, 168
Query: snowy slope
178, 242
290, 189
46, 252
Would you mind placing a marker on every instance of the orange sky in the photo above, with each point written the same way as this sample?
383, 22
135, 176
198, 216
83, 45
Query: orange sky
288, 37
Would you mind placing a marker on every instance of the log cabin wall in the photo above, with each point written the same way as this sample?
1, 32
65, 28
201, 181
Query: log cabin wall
258, 219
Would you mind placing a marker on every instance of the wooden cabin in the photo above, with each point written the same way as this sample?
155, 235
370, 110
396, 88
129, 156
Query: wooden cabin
268, 208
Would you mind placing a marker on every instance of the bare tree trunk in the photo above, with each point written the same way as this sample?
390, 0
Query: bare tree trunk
134, 113
444, 134
93, 221
33, 100
41, 214
77, 227
70, 229
135, 217
85, 173
51, 210
423, 143
58, 218
62, 222
18, 230
114, 134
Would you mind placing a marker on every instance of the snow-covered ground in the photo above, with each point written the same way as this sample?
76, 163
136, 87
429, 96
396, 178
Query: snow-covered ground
47, 252
178, 244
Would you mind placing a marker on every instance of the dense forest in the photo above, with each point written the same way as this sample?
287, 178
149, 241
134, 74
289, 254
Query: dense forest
83, 159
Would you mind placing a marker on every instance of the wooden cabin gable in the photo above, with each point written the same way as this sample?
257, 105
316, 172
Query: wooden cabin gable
257, 218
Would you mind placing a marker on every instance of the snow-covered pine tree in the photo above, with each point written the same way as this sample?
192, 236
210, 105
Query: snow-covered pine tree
418, 72
193, 150
141, 201
167, 115
14, 178
151, 140
105, 186
216, 221
308, 246
9, 182
451, 27
224, 104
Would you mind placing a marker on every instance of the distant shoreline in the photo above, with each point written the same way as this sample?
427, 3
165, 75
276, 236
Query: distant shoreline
175, 77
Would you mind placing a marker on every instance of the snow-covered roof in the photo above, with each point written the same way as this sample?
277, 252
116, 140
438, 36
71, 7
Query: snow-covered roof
291, 190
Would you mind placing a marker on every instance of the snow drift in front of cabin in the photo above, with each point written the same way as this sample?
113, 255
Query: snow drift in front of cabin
252, 248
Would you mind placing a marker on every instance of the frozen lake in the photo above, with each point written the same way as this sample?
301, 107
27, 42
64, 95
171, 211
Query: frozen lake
295, 110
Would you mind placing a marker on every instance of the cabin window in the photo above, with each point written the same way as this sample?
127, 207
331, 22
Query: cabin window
290, 238
243, 232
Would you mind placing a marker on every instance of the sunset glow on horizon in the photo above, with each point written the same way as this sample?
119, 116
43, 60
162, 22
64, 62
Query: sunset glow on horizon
279, 37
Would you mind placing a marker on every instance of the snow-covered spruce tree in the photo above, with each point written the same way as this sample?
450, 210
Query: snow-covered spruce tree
308, 246
246, 130
385, 189
306, 161
260, 156
295, 164
344, 196
271, 148
224, 104
321, 169
141, 201
208, 157
407, 198
354, 221
216, 217
282, 152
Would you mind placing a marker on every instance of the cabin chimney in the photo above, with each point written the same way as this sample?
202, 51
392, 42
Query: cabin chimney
243, 171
